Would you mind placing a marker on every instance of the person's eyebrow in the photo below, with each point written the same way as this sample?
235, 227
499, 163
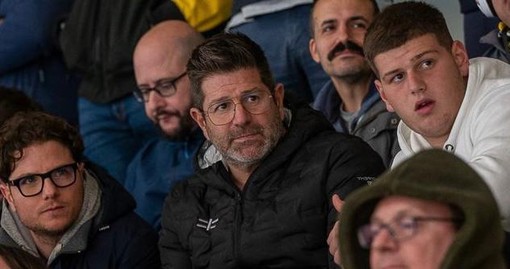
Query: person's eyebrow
413, 59
244, 92
399, 214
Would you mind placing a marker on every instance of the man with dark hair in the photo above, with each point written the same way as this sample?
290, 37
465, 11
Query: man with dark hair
431, 211
350, 100
61, 209
445, 101
262, 198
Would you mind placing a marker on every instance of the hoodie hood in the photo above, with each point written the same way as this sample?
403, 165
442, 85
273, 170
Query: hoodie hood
433, 175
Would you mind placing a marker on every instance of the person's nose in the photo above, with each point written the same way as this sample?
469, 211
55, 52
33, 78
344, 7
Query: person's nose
415, 82
49, 188
155, 100
241, 115
383, 240
343, 33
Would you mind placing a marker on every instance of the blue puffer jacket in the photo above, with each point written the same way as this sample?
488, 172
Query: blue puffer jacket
29, 58
117, 238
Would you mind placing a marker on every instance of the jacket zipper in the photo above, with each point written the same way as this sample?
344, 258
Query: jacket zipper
238, 217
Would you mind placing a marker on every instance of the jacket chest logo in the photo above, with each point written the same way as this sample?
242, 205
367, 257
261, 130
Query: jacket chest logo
207, 224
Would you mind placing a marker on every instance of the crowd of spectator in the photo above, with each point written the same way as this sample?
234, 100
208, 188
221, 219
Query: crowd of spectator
253, 134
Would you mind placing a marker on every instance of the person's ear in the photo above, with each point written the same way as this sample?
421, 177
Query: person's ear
279, 93
312, 46
460, 56
7, 195
81, 169
382, 93
199, 117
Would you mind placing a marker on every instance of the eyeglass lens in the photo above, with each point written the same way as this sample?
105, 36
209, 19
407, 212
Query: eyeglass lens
402, 228
32, 185
165, 88
223, 112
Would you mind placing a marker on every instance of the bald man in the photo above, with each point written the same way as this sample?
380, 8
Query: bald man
159, 60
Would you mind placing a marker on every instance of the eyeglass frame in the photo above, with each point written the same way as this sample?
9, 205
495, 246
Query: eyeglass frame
44, 176
231, 100
367, 244
140, 93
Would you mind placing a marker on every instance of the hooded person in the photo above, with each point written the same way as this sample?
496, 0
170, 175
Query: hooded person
432, 178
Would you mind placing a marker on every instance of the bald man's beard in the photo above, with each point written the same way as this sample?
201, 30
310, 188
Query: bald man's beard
183, 130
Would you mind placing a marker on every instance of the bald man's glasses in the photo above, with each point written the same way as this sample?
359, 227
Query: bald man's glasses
164, 88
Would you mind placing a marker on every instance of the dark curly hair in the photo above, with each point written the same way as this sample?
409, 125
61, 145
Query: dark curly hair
28, 128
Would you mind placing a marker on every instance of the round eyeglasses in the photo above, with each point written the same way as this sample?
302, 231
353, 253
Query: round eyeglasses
165, 88
32, 185
400, 229
223, 112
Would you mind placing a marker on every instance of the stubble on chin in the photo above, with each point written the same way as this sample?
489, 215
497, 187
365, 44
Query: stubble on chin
236, 155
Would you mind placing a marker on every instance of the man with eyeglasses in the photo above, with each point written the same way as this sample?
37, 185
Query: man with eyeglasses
262, 198
67, 212
160, 59
431, 211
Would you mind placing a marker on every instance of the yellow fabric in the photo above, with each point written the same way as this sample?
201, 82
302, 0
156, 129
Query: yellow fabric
501, 26
203, 15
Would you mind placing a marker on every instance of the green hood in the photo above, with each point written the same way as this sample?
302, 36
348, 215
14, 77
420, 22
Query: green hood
434, 175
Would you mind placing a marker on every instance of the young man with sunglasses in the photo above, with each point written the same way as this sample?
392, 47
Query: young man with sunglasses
262, 198
69, 213
432, 211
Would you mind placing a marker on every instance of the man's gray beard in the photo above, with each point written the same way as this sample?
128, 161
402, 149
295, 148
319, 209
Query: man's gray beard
272, 142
